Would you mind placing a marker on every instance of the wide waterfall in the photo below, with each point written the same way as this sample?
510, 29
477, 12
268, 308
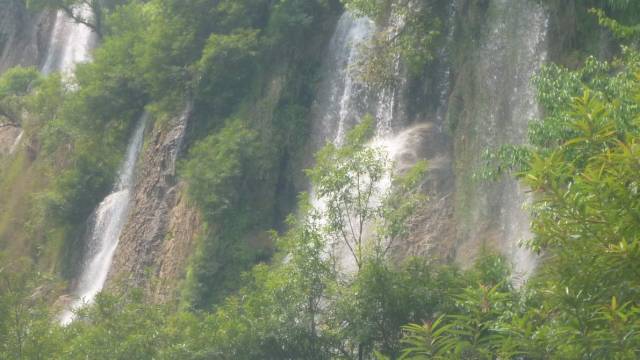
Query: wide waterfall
502, 102
70, 43
512, 48
107, 223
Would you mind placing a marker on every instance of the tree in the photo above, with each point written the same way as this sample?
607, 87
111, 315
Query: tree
410, 38
90, 13
119, 327
586, 214
25, 317
224, 70
349, 181
15, 85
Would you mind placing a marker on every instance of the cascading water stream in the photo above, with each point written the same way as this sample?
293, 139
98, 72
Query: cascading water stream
498, 105
16, 142
70, 44
344, 100
108, 220
530, 55
512, 50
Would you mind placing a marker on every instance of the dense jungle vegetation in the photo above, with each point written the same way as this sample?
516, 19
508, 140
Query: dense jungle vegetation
288, 300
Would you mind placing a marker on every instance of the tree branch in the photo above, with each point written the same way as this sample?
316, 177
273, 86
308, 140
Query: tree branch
346, 237
79, 19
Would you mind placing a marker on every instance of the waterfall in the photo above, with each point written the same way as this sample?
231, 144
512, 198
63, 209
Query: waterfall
70, 42
344, 99
499, 102
108, 221
529, 52
16, 142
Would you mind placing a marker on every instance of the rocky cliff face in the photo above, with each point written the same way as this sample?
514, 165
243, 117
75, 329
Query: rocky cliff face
24, 36
476, 95
161, 227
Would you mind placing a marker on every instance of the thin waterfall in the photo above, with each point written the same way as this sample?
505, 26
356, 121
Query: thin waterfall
70, 43
342, 98
16, 142
108, 221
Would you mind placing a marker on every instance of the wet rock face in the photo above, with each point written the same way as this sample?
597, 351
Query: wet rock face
491, 104
432, 229
24, 36
161, 227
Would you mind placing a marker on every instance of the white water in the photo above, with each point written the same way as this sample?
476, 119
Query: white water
344, 100
70, 43
15, 144
530, 53
109, 219
512, 51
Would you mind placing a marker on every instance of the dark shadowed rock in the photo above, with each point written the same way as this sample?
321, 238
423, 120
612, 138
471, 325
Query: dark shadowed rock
24, 36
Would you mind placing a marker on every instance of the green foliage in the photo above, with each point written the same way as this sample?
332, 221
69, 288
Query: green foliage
369, 312
349, 179
622, 32
371, 8
218, 164
607, 86
581, 164
412, 41
618, 6
15, 85
221, 172
155, 54
293, 22
117, 328
427, 341
225, 69
18, 81
25, 319
277, 314
582, 168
